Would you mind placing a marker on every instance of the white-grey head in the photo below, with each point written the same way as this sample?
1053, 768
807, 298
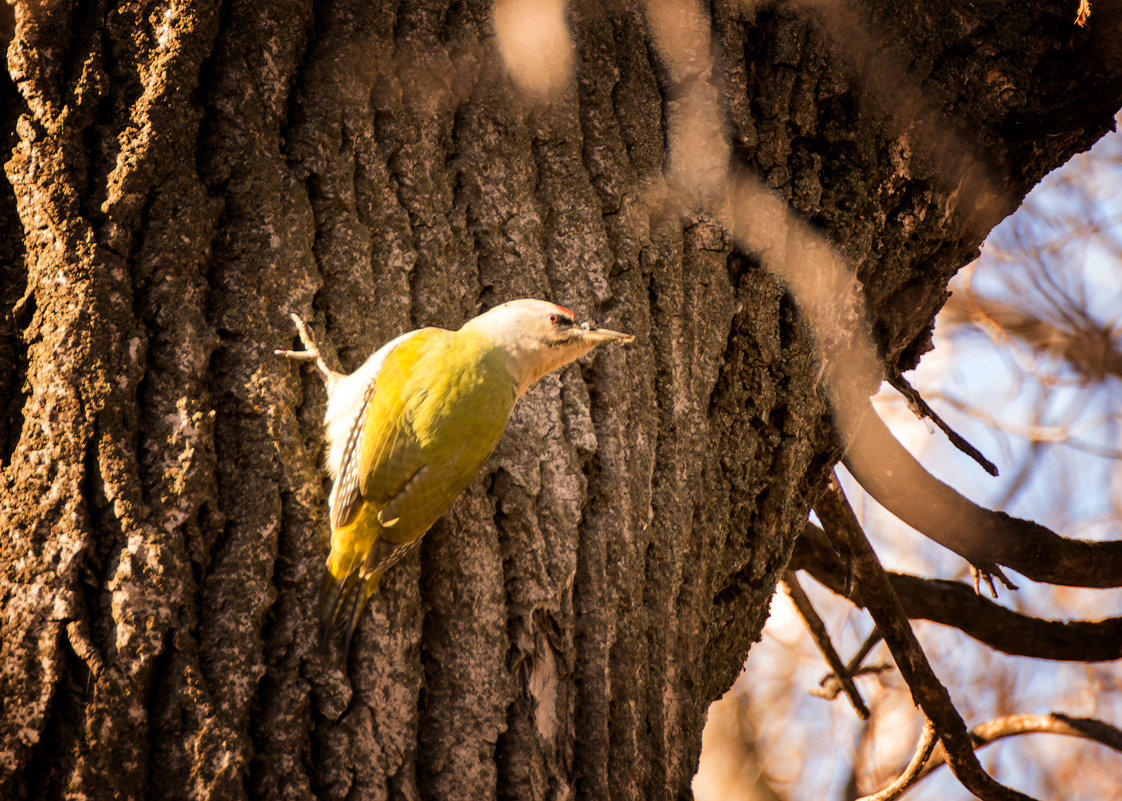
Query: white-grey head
539, 336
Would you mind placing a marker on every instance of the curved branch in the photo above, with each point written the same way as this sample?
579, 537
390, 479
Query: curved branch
928, 692
983, 734
984, 537
955, 604
1052, 723
913, 772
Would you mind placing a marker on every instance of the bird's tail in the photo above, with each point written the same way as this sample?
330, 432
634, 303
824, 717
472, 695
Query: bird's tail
333, 596
343, 602
347, 588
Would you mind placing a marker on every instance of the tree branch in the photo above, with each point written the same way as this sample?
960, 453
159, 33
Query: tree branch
955, 604
984, 537
913, 772
927, 758
1052, 723
821, 638
1090, 347
921, 409
932, 697
830, 685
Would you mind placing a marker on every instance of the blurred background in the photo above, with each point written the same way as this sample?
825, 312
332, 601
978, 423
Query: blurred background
1027, 366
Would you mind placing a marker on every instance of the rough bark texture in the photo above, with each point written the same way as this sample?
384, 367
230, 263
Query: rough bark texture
181, 174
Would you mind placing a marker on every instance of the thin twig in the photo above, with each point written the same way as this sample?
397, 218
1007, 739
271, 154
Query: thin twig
831, 682
870, 643
821, 637
880, 599
913, 772
1052, 723
991, 731
921, 409
830, 687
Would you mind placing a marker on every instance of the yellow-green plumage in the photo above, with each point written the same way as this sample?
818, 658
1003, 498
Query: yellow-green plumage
408, 430
440, 405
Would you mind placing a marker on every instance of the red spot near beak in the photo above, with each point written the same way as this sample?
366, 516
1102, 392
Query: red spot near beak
562, 308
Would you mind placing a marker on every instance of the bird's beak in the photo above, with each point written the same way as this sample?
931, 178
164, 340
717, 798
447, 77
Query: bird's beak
598, 336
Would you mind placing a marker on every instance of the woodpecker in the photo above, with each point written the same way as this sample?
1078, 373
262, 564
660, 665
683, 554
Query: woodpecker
408, 430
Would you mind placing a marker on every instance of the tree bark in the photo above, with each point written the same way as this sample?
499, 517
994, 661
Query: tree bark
182, 174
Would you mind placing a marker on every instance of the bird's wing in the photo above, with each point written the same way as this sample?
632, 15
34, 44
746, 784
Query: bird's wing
378, 439
425, 447
345, 498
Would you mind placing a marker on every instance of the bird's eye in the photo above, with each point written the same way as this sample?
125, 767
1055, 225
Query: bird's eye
560, 319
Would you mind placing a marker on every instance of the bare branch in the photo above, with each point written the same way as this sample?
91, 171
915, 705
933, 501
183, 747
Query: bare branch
830, 684
830, 688
928, 758
984, 537
921, 409
913, 772
821, 637
1091, 348
1052, 723
932, 697
955, 604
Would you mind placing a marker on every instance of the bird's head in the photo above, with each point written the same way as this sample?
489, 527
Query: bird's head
539, 336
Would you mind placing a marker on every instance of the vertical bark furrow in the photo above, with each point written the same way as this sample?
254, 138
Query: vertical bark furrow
416, 127
17, 309
16, 303
138, 566
259, 269
328, 142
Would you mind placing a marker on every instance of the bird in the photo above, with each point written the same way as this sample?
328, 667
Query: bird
408, 431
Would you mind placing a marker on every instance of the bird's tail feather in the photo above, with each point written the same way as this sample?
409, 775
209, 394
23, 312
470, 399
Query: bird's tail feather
343, 602
332, 599
358, 606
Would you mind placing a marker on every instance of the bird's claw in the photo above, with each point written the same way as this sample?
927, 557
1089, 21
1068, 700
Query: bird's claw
310, 353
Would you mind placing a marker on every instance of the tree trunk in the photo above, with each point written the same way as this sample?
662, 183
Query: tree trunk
183, 174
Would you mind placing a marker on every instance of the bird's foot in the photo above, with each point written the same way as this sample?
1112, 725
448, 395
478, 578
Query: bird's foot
310, 353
